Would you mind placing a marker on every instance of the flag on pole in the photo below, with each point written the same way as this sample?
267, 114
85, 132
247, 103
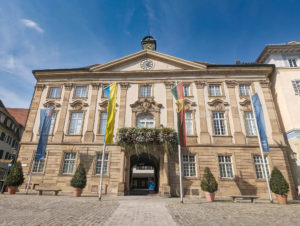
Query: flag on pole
179, 97
111, 93
45, 123
260, 122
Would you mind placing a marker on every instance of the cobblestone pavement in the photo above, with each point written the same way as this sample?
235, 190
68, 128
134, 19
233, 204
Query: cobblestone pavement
140, 210
200, 212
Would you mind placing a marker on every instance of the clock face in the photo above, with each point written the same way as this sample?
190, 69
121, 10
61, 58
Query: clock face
146, 64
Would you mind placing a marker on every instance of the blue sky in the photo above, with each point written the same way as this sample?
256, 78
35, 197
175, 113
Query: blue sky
40, 34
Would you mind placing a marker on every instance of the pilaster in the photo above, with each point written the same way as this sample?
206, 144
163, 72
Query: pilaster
58, 137
27, 135
170, 109
89, 134
238, 135
204, 135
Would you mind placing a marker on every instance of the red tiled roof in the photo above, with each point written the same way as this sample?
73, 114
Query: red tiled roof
20, 114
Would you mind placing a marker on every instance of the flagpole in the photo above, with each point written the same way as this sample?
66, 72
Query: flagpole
261, 152
101, 171
180, 173
29, 179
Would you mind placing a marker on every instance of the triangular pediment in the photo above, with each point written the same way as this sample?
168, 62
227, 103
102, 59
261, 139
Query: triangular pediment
159, 62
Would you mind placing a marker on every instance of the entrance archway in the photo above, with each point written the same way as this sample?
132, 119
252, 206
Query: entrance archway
144, 169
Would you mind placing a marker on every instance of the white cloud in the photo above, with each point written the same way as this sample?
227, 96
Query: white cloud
32, 24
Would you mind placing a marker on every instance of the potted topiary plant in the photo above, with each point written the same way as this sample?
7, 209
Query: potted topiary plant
209, 185
279, 186
15, 178
79, 180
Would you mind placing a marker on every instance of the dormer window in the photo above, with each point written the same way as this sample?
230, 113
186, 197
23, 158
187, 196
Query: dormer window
292, 62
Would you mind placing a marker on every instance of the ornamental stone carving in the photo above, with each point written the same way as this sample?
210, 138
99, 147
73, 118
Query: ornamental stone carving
78, 104
218, 104
246, 104
52, 104
145, 105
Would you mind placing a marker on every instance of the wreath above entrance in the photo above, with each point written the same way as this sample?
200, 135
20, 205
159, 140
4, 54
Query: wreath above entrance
147, 139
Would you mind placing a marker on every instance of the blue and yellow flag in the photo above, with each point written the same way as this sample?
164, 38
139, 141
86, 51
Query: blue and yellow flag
111, 93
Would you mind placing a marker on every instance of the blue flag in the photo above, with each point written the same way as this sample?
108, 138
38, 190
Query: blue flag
45, 123
260, 123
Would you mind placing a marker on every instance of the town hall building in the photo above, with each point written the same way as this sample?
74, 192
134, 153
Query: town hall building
220, 126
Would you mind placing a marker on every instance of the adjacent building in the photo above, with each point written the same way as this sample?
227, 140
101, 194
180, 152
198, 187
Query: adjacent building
220, 125
285, 82
12, 123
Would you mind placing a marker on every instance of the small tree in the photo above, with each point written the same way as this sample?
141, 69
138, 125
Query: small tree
79, 178
15, 177
208, 182
278, 184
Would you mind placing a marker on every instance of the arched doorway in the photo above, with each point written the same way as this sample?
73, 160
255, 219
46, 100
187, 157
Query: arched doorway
144, 168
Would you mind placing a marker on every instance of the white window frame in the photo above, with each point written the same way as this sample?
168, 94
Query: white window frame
186, 90
292, 61
189, 165
296, 86
38, 166
219, 123
145, 121
189, 123
215, 90
259, 167
76, 123
226, 166
245, 90
80, 91
99, 162
250, 123
54, 92
103, 121
69, 163
145, 91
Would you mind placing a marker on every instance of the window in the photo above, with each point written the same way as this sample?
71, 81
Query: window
38, 166
104, 93
6, 155
259, 167
80, 91
1, 154
219, 123
292, 62
98, 163
250, 123
2, 118
189, 165
69, 163
76, 122
245, 90
145, 121
189, 123
13, 143
186, 91
215, 90
54, 92
52, 123
225, 165
103, 120
145, 91
2, 137
8, 123
296, 86
8, 139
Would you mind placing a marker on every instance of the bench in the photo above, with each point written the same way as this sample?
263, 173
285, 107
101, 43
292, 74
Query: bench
244, 197
41, 190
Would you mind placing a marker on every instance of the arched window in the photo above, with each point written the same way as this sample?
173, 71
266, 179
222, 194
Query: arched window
145, 121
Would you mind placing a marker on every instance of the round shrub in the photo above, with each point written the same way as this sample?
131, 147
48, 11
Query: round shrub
15, 177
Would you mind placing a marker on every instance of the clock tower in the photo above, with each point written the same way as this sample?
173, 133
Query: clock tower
149, 43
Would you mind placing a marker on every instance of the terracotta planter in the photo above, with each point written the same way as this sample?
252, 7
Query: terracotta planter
77, 192
210, 197
282, 199
12, 190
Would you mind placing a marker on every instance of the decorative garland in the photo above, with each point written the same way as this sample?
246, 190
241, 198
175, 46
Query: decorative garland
146, 139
